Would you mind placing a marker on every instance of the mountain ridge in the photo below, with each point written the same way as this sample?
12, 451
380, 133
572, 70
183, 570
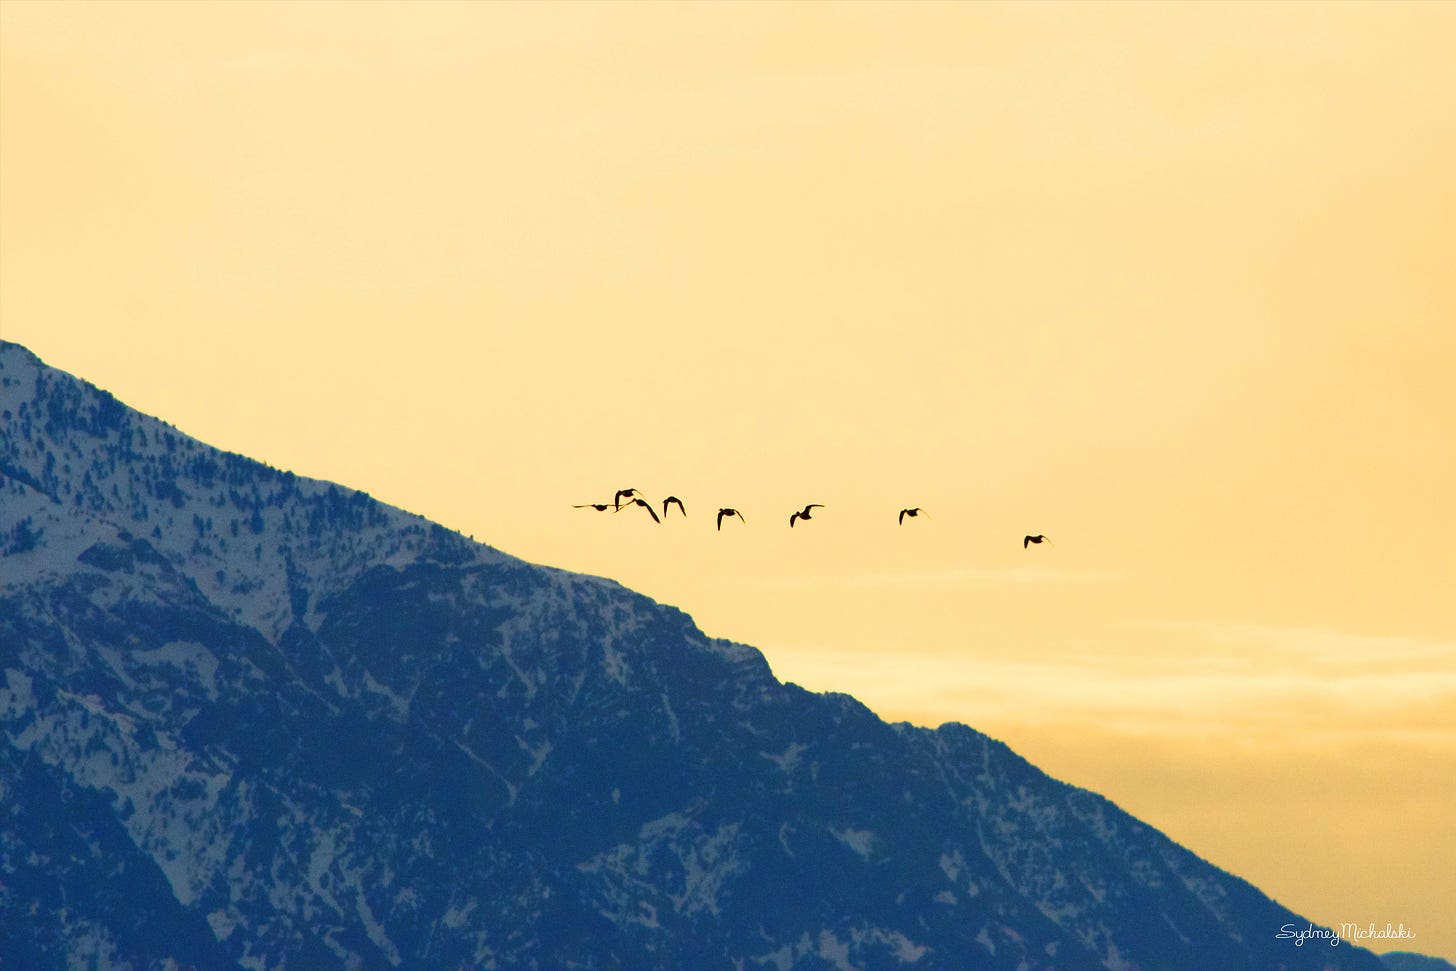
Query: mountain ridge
319, 731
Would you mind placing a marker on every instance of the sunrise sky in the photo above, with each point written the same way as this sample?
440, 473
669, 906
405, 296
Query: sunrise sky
1172, 284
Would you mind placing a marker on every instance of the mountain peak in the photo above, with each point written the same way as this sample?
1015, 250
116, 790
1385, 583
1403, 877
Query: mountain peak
253, 537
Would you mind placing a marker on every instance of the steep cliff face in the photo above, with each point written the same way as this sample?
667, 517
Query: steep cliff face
253, 720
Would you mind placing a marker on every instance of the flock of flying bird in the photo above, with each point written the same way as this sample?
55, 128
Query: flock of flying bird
636, 499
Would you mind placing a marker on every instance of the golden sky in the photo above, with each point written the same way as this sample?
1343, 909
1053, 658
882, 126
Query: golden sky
1170, 283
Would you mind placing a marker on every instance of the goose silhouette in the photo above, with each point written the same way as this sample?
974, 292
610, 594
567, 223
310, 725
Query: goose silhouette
912, 513
805, 513
645, 505
624, 494
671, 499
728, 512
1038, 538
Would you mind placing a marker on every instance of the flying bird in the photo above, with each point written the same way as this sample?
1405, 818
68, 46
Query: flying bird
668, 501
645, 505
624, 494
912, 513
1038, 538
598, 506
805, 513
728, 512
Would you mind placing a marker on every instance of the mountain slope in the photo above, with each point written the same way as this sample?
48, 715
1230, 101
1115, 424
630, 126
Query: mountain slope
255, 720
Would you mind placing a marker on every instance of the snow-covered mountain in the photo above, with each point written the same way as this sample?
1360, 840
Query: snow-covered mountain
253, 720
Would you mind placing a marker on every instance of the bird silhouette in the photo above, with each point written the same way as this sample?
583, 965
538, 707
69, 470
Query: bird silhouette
912, 513
624, 494
598, 506
1035, 539
728, 512
671, 499
645, 505
805, 513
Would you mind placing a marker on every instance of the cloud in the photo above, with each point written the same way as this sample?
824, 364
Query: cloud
1323, 644
953, 576
1259, 683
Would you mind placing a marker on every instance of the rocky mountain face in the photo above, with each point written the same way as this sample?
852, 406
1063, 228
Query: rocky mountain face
252, 720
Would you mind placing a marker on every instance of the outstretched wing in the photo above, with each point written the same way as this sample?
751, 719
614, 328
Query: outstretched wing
902, 516
648, 506
791, 520
1026, 542
721, 512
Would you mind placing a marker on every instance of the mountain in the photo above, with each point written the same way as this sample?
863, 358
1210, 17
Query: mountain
253, 720
1409, 961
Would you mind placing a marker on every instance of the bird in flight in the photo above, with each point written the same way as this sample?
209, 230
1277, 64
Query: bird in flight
1038, 538
645, 505
728, 512
598, 506
805, 513
624, 494
912, 513
671, 499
